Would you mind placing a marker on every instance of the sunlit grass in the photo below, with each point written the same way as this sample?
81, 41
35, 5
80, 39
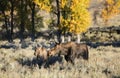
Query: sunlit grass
103, 63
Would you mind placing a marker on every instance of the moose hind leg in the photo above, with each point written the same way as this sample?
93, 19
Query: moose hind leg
72, 60
69, 59
85, 55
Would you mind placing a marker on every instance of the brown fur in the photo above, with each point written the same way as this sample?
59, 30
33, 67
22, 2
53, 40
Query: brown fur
60, 48
80, 50
41, 52
71, 51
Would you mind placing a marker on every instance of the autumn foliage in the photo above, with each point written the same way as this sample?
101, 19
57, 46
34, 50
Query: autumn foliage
111, 8
74, 16
44, 4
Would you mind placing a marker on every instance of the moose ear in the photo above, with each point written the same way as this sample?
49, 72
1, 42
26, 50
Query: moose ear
39, 45
35, 47
56, 43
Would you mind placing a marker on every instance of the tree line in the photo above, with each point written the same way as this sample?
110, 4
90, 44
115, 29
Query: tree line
72, 15
17, 14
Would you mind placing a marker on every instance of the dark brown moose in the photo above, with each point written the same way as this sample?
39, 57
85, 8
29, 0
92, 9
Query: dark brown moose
70, 50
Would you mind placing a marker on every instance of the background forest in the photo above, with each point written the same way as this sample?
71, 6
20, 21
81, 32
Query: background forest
27, 18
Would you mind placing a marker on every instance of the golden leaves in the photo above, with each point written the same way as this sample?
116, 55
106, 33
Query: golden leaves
79, 18
110, 2
63, 3
44, 4
111, 9
74, 17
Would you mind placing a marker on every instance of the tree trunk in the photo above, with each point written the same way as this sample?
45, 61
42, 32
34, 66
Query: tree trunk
58, 21
58, 12
69, 38
21, 31
12, 10
59, 36
33, 22
63, 39
6, 26
78, 38
22, 22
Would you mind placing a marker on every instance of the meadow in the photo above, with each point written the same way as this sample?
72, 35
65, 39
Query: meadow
21, 63
18, 60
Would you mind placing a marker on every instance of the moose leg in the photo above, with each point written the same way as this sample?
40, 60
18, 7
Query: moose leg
46, 64
71, 55
69, 59
66, 58
85, 55
72, 61
72, 58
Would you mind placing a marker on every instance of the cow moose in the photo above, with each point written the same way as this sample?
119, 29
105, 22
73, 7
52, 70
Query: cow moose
41, 52
70, 50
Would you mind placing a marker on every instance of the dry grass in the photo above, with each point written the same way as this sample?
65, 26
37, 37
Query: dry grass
103, 63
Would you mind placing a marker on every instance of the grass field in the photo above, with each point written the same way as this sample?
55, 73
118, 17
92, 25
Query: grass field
21, 63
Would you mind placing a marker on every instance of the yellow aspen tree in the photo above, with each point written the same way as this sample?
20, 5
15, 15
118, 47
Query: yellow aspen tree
111, 8
74, 15
65, 14
53, 6
77, 18
44, 4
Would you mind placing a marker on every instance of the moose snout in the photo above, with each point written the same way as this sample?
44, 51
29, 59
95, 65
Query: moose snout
35, 54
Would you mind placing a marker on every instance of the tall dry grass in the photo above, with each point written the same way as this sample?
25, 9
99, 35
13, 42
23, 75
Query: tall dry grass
103, 63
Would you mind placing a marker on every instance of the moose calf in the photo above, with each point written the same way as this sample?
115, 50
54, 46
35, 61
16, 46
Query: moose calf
41, 52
